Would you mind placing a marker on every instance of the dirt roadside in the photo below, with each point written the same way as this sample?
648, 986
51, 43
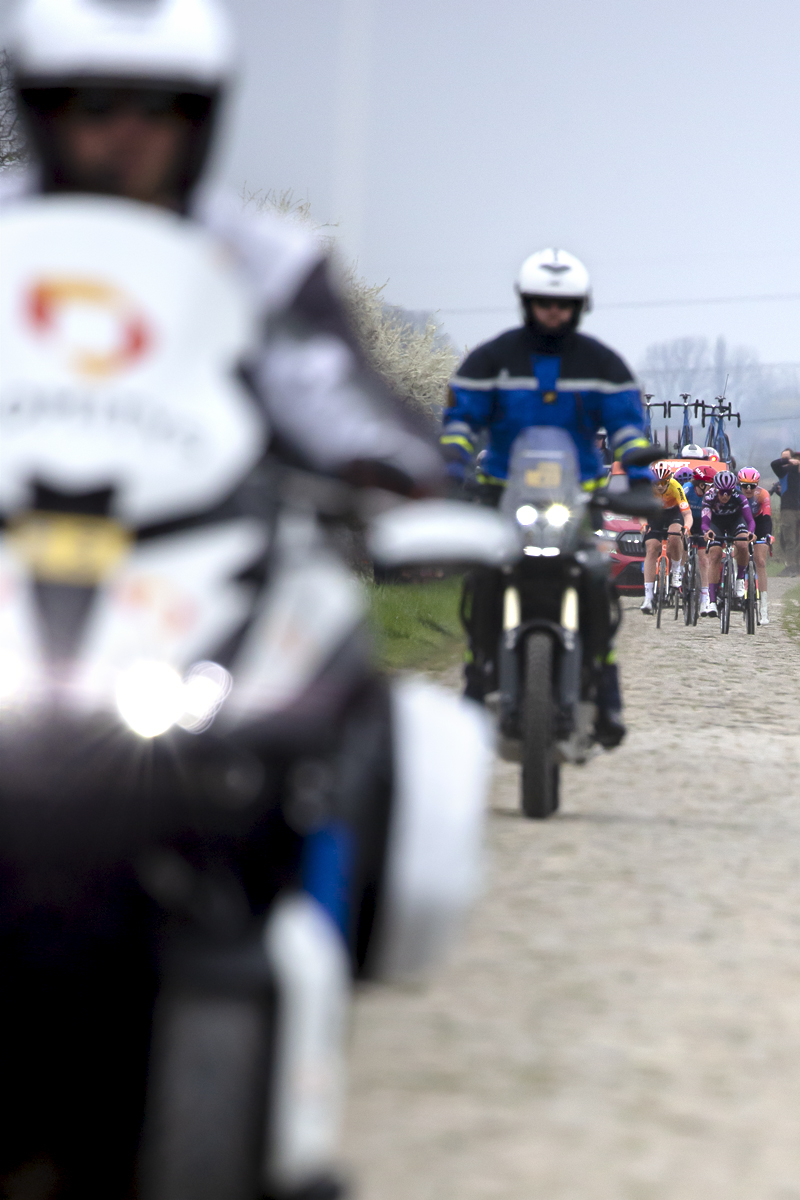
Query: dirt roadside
622, 1021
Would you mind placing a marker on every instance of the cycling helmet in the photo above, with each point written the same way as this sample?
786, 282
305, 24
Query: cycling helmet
725, 481
749, 475
61, 48
554, 274
704, 474
662, 472
683, 475
692, 451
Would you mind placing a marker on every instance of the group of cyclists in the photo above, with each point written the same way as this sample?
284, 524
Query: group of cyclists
708, 504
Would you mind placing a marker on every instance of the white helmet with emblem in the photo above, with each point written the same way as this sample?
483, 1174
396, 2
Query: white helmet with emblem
179, 51
556, 274
180, 41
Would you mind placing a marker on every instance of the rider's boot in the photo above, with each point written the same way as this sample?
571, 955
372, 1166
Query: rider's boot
763, 609
740, 588
677, 572
478, 679
647, 603
608, 727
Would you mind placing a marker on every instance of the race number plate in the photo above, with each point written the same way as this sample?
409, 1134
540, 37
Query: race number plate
546, 475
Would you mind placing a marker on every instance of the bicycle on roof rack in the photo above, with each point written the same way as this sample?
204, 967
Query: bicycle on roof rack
649, 405
686, 436
717, 438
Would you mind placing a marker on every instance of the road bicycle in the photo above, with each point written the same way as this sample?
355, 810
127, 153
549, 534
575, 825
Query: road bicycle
686, 436
688, 598
716, 438
649, 405
752, 595
661, 592
726, 591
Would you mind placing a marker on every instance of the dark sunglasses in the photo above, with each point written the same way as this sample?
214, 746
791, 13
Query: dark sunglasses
550, 302
748, 485
100, 104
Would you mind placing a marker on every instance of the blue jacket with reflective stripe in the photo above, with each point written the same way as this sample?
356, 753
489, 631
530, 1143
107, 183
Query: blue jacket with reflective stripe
522, 378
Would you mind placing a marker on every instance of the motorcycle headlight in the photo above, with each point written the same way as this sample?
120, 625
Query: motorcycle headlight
12, 676
149, 698
152, 697
557, 515
527, 515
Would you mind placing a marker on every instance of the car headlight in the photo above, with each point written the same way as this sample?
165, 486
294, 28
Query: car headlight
527, 515
557, 515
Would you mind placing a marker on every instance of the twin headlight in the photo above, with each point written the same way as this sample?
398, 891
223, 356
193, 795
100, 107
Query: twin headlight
556, 515
152, 696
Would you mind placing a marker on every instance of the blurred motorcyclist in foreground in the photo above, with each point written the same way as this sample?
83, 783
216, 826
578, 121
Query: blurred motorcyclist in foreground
544, 373
140, 525
121, 99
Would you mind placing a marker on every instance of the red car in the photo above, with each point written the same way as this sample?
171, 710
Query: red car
621, 538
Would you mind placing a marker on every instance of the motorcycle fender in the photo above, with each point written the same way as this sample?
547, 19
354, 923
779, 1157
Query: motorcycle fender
443, 749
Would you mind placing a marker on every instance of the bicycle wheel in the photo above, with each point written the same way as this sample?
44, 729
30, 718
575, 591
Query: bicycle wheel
725, 596
751, 600
690, 590
661, 590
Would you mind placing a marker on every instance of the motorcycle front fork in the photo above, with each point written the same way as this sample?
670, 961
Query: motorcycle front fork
246, 1082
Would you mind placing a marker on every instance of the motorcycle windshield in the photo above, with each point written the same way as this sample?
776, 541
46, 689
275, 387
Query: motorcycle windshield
543, 470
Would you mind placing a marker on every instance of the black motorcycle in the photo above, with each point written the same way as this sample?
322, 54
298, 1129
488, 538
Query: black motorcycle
558, 614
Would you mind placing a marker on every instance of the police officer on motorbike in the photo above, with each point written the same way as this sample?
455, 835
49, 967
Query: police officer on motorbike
544, 373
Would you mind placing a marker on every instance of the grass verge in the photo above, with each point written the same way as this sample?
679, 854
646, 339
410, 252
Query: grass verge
417, 624
790, 611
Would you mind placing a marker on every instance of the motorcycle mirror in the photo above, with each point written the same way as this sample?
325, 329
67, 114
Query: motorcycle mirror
429, 532
643, 456
634, 502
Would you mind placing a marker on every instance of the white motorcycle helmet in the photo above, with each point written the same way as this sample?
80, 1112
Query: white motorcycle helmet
183, 49
555, 274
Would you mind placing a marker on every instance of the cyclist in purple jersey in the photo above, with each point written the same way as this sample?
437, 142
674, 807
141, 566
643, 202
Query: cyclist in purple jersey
726, 513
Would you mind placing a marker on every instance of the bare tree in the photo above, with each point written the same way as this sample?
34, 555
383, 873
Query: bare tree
12, 142
410, 354
704, 370
767, 396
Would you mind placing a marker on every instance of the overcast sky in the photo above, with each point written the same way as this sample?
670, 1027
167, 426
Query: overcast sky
450, 138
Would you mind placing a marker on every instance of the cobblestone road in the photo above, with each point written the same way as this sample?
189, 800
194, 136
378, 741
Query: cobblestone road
623, 1020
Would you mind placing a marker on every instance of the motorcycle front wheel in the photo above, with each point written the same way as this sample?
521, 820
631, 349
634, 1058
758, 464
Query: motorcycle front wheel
540, 766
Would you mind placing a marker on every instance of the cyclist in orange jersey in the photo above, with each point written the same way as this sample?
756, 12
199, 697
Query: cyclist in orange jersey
675, 519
